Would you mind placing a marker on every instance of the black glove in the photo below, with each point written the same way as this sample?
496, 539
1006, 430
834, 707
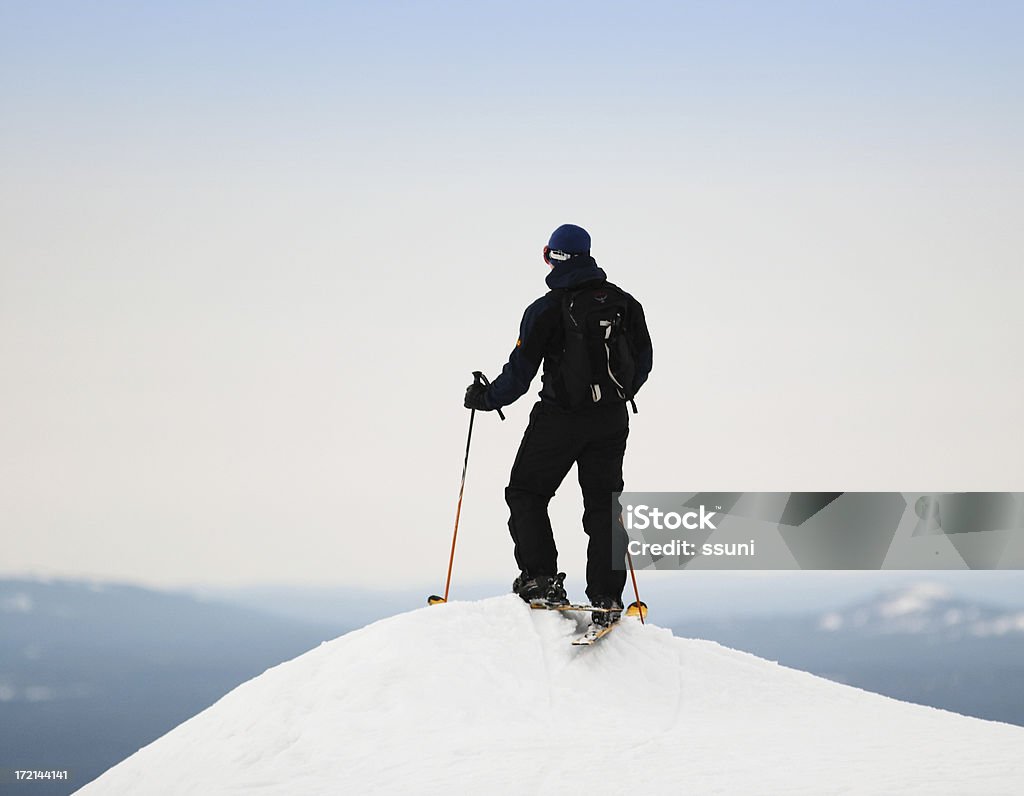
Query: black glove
476, 397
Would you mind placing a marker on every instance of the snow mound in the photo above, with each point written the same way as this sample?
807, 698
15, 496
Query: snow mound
489, 697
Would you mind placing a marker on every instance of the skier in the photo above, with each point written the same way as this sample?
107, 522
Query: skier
593, 340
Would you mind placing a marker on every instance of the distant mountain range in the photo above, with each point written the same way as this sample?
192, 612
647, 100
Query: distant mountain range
919, 644
89, 672
924, 609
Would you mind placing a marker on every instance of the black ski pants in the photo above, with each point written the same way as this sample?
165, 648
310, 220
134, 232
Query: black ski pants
595, 439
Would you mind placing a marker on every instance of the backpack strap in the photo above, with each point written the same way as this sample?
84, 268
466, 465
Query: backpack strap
629, 340
568, 297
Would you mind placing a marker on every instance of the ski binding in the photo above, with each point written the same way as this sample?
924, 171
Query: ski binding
593, 634
539, 605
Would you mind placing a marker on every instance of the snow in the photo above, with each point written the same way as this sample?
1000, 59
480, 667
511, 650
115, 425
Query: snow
30, 693
831, 622
918, 598
489, 697
17, 603
1013, 623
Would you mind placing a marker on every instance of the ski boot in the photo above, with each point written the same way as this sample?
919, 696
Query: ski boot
542, 589
605, 618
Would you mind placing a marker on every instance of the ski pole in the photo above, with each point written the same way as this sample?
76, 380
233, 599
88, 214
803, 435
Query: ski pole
638, 608
434, 599
641, 607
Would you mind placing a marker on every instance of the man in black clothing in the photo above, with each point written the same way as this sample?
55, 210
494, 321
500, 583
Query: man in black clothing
581, 417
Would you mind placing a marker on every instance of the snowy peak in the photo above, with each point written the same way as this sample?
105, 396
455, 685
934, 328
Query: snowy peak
489, 697
917, 599
923, 608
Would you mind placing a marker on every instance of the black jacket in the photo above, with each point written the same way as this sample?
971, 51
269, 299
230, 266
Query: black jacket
541, 336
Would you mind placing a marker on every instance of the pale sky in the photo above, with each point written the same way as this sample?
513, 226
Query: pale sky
251, 252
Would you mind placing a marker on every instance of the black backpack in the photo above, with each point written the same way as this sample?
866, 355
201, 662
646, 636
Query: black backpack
597, 364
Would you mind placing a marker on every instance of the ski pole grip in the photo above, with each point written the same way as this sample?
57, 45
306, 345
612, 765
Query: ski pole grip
480, 378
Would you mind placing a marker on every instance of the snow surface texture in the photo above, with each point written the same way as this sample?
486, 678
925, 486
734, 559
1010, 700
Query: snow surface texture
489, 697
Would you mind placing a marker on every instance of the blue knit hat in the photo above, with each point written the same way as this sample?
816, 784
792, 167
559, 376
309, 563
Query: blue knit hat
570, 239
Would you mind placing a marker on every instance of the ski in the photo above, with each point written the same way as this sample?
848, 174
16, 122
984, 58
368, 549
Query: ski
593, 634
539, 606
